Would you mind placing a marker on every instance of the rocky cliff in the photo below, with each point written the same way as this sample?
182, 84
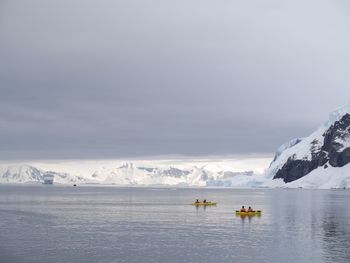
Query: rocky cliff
328, 147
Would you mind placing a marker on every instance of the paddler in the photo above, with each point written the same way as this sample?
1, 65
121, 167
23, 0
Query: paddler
243, 209
250, 209
197, 201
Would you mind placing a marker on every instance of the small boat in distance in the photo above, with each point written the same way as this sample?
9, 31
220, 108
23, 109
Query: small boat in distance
205, 203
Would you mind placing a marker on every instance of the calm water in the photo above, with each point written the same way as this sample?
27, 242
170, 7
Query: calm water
110, 224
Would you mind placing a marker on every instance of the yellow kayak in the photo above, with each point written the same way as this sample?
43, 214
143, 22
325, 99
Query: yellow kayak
205, 204
239, 213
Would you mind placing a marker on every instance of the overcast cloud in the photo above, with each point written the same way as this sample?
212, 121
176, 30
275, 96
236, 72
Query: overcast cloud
98, 79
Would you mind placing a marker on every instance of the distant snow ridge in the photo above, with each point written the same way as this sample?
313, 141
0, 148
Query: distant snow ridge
319, 160
30, 174
20, 174
132, 174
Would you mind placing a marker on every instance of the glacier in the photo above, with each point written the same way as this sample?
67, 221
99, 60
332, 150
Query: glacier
185, 173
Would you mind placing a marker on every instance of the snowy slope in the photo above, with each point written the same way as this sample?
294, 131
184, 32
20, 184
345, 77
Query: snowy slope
332, 177
20, 174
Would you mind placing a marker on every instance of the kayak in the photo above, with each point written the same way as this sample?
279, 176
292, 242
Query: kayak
239, 213
205, 204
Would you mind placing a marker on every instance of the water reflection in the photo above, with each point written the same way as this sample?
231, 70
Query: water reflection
336, 229
248, 218
315, 223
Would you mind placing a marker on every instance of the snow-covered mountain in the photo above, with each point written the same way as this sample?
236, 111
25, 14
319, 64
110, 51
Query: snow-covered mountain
20, 174
320, 160
30, 174
132, 174
140, 173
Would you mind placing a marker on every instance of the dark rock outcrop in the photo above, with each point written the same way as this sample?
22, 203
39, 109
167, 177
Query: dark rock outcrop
333, 152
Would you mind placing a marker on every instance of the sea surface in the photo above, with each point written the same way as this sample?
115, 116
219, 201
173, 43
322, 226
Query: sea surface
44, 224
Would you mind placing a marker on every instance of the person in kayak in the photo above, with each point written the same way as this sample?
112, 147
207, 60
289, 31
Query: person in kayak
204, 201
250, 209
197, 201
243, 209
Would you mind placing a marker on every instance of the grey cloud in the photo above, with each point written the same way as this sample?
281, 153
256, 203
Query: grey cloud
127, 78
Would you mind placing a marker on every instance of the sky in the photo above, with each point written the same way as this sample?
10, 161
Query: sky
105, 79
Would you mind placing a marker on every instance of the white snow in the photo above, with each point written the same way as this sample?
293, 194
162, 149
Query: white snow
286, 146
321, 178
19, 174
